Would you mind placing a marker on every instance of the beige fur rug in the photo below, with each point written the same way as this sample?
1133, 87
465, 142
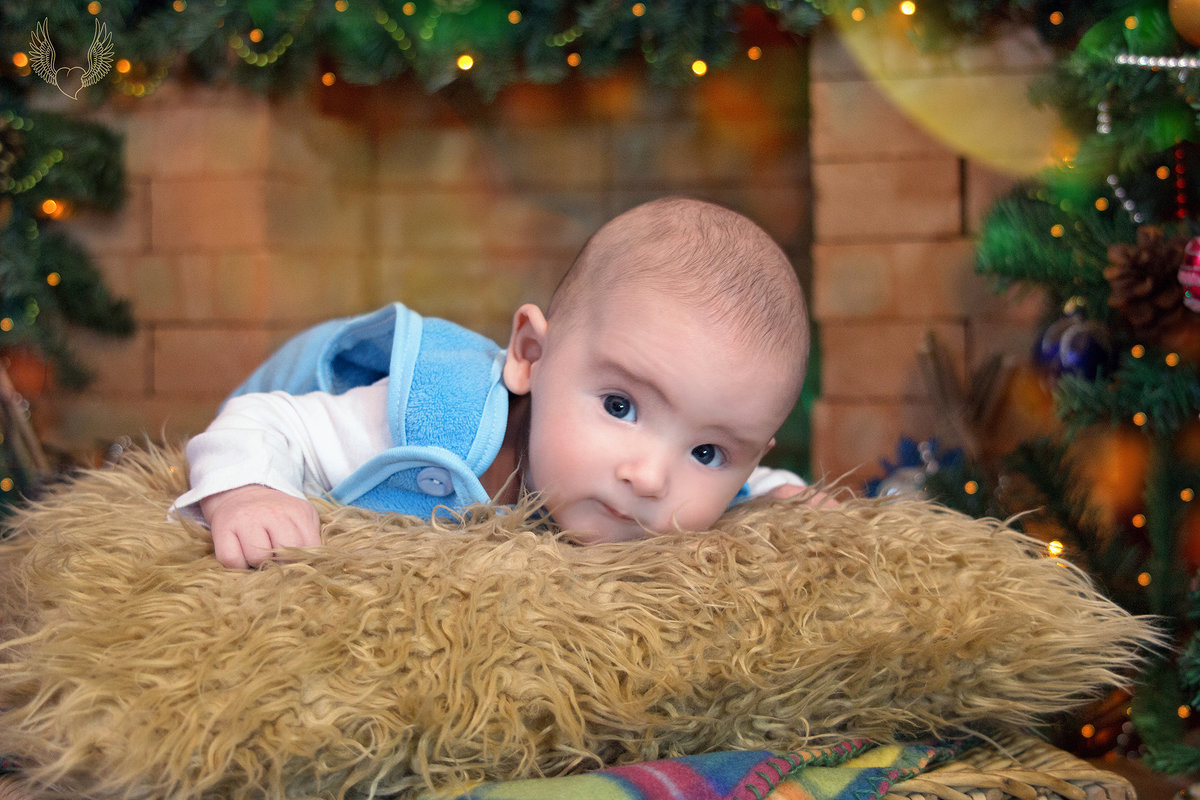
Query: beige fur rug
402, 656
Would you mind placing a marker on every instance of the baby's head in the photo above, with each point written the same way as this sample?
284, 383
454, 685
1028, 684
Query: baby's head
670, 354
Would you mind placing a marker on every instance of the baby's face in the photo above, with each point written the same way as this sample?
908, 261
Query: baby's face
644, 419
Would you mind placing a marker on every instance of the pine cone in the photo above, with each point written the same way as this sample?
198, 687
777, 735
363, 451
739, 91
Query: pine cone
1144, 284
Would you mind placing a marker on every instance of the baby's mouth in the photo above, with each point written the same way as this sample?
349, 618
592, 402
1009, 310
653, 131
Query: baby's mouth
617, 514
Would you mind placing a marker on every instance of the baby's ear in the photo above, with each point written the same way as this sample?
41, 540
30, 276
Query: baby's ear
525, 347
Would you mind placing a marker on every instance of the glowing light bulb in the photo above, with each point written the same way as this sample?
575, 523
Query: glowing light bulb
1143, 579
639, 9
54, 279
908, 8
514, 16
858, 14
329, 79
1139, 418
1057, 231
1187, 495
20, 60
699, 67
1137, 351
465, 62
754, 53
1056, 18
1054, 548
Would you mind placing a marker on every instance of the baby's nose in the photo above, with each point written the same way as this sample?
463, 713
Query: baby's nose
646, 474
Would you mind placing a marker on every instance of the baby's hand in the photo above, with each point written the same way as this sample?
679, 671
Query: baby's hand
819, 499
250, 521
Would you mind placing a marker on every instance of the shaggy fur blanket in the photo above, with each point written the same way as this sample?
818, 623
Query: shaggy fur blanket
406, 655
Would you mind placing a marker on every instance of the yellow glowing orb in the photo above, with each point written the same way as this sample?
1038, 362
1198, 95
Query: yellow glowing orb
979, 112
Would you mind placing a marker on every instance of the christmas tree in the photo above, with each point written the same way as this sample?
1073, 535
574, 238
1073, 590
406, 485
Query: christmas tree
1110, 237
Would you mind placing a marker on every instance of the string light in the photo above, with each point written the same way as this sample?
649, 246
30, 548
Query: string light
1187, 495
639, 9
1131, 22
123, 66
1139, 520
6, 324
408, 9
699, 67
6, 484
1054, 548
1087, 731
20, 60
93, 8
1057, 231
179, 6
858, 14
574, 60
908, 8
54, 279
329, 79
341, 5
1101, 203
514, 16
465, 62
1172, 359
1143, 579
1139, 418
754, 53
1137, 351
971, 487
1184, 712
1056, 18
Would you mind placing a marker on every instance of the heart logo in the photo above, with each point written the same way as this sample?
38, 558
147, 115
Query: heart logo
69, 81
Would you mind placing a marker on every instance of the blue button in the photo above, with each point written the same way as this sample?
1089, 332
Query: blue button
435, 482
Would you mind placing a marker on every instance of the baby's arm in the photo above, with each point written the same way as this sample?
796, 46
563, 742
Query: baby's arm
264, 453
782, 484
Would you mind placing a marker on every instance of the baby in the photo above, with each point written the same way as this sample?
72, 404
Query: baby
641, 401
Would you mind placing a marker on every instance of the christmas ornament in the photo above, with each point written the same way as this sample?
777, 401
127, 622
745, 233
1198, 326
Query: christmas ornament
915, 462
1143, 281
1185, 17
1075, 345
1189, 274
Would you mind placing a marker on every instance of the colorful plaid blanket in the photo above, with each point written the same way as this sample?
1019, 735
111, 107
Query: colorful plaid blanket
852, 770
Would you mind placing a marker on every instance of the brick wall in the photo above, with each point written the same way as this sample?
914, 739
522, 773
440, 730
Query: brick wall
249, 218
895, 209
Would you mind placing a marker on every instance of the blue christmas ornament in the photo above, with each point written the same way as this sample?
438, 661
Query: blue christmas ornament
1074, 345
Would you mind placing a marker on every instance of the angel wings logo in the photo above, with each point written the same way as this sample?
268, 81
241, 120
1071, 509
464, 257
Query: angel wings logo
70, 80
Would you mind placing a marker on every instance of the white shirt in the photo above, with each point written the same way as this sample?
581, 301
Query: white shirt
304, 445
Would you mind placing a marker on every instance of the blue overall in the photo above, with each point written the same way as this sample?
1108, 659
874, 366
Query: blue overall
447, 405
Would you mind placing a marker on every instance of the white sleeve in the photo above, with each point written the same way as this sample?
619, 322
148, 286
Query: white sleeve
764, 479
299, 444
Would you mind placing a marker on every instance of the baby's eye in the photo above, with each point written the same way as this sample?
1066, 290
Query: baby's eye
620, 407
709, 455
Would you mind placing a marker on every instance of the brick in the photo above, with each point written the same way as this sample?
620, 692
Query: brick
897, 280
205, 362
877, 359
856, 121
85, 425
207, 214
241, 285
124, 231
320, 150
887, 199
317, 216
303, 286
573, 155
851, 437
444, 157
198, 139
154, 287
120, 365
